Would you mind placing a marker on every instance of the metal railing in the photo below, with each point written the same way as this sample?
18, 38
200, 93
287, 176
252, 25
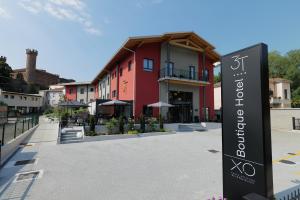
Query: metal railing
181, 74
16, 127
296, 123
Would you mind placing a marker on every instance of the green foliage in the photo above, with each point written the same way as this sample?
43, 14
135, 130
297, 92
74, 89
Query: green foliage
217, 78
92, 123
5, 71
2, 103
162, 130
130, 124
121, 124
64, 118
110, 125
142, 123
133, 132
152, 123
161, 122
90, 133
48, 111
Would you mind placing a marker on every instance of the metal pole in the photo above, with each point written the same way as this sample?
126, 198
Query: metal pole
15, 134
294, 123
23, 127
3, 134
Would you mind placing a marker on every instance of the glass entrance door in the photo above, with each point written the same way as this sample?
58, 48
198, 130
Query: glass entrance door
182, 112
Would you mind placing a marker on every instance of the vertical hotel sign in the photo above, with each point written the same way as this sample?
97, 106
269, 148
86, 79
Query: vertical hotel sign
246, 136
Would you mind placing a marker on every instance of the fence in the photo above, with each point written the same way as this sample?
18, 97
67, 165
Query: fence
296, 123
16, 126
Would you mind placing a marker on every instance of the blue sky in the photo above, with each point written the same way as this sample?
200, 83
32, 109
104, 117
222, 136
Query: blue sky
75, 38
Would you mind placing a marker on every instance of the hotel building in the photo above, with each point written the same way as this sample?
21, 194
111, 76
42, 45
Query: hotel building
175, 68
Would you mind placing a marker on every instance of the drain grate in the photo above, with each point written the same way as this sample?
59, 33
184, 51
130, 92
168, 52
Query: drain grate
287, 162
24, 162
25, 176
26, 144
213, 151
293, 154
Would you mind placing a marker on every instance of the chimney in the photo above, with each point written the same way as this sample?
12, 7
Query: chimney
30, 75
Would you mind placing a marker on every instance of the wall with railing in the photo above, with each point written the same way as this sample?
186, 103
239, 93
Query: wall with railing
15, 127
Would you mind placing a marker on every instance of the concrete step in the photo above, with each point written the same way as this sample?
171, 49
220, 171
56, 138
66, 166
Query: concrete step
191, 127
70, 141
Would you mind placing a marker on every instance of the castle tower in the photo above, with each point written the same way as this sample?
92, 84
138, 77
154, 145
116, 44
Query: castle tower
30, 75
3, 59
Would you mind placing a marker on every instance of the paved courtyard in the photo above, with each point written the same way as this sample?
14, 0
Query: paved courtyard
167, 167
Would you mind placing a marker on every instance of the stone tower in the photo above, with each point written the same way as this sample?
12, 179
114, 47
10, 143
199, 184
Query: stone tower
30, 75
3, 59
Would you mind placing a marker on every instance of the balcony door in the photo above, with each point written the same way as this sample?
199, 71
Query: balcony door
169, 69
192, 72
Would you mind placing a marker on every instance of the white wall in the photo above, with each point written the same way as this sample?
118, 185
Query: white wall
217, 98
21, 100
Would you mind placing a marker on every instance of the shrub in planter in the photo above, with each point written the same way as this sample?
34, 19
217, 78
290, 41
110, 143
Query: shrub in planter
92, 123
133, 132
110, 125
64, 119
152, 124
161, 122
121, 124
130, 124
143, 123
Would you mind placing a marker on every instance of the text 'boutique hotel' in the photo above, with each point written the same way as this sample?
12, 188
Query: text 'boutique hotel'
176, 68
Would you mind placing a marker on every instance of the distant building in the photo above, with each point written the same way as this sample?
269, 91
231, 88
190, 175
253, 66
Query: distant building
83, 92
52, 97
24, 103
32, 75
280, 94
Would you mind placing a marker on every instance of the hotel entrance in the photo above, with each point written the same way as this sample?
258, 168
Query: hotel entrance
182, 112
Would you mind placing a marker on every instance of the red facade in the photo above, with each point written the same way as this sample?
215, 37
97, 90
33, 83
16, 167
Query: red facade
129, 81
71, 92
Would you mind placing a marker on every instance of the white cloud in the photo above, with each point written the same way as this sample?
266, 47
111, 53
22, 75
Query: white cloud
67, 10
4, 13
31, 6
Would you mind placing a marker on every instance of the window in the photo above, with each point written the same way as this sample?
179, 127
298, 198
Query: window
25, 98
192, 72
169, 69
6, 96
91, 100
121, 71
129, 65
114, 93
21, 97
70, 91
205, 75
12, 96
285, 94
107, 96
148, 64
81, 101
147, 111
81, 90
107, 80
91, 89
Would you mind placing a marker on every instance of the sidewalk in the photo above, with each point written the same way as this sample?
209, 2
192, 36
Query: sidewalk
39, 144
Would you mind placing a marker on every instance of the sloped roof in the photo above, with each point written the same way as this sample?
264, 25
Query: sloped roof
134, 42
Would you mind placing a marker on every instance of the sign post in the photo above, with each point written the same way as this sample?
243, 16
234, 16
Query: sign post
246, 134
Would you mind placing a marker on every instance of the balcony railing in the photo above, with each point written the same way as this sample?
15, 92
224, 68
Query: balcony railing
181, 74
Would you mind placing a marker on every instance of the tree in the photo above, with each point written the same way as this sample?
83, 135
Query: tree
217, 78
5, 73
